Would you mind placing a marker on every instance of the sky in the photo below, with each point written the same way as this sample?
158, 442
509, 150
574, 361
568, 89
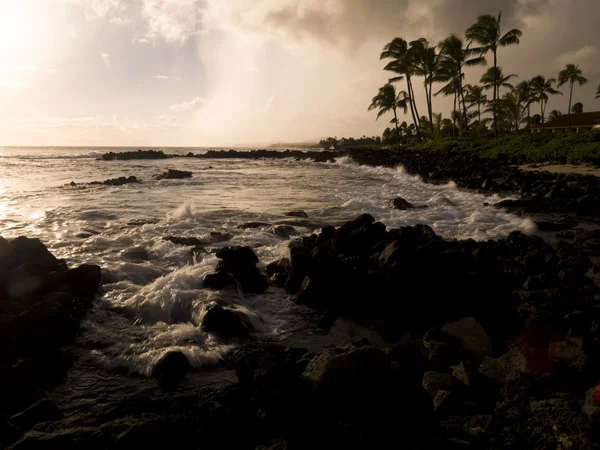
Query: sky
246, 72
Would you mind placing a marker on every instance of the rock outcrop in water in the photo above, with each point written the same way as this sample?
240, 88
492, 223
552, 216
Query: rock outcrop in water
140, 154
173, 174
237, 268
42, 302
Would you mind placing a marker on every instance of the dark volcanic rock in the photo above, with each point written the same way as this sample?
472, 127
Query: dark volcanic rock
173, 174
296, 214
401, 204
116, 181
238, 265
225, 323
140, 154
171, 369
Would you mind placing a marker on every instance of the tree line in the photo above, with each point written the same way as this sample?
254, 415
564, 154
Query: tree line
495, 105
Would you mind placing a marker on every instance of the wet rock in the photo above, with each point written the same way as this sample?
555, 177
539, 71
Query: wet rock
466, 374
237, 266
135, 253
140, 154
117, 181
171, 369
298, 213
225, 323
401, 204
251, 225
473, 337
44, 410
284, 231
173, 174
567, 234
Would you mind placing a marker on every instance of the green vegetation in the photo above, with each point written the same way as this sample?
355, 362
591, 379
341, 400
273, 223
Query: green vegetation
528, 148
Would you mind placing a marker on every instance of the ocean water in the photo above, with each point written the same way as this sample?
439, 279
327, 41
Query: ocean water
152, 298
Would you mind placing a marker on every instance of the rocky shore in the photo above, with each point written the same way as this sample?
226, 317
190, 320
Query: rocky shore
485, 345
572, 196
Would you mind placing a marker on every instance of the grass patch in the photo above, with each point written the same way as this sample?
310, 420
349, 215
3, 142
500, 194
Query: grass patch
583, 147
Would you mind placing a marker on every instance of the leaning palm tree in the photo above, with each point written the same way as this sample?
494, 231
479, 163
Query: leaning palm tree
454, 56
487, 32
493, 78
387, 100
577, 108
476, 97
402, 63
542, 88
571, 74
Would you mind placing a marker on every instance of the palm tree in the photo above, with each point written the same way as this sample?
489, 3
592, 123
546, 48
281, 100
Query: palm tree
427, 66
402, 63
526, 93
476, 97
387, 100
554, 114
511, 109
598, 92
494, 78
541, 89
571, 74
577, 108
453, 57
487, 32
451, 88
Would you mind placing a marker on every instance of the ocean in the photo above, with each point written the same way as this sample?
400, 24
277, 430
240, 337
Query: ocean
152, 298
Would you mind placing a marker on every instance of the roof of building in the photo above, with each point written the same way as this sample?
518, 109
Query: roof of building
582, 120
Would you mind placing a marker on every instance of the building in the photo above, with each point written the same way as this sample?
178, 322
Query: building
579, 122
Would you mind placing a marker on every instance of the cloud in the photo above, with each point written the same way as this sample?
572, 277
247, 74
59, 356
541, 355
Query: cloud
140, 41
193, 105
122, 21
175, 21
585, 54
10, 84
106, 59
167, 77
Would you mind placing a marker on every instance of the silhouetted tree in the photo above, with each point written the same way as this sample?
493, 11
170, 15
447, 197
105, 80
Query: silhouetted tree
402, 63
487, 33
476, 97
387, 100
571, 75
577, 108
527, 95
542, 88
554, 114
454, 56
493, 78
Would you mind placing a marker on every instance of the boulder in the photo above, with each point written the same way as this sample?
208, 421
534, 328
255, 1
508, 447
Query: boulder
218, 281
298, 213
171, 369
401, 204
591, 405
283, 231
436, 381
363, 387
472, 336
237, 267
173, 174
225, 323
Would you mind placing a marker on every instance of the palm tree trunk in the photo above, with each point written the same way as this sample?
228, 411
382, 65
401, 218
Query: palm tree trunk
495, 92
412, 96
412, 106
430, 99
542, 111
397, 132
570, 99
454, 117
529, 116
479, 112
462, 94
